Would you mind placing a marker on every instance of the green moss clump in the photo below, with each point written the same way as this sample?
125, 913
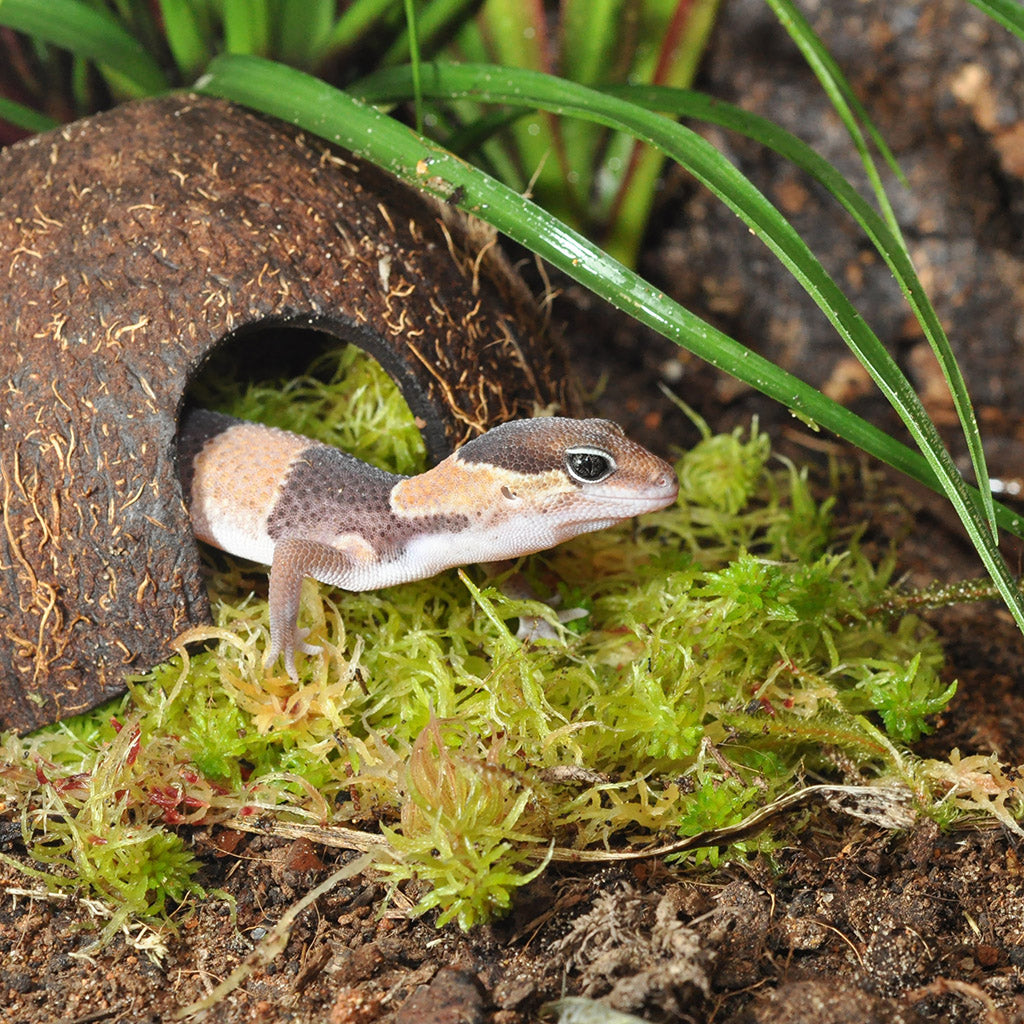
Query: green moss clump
95, 805
729, 646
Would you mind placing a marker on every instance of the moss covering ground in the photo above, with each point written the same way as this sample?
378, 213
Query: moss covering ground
732, 648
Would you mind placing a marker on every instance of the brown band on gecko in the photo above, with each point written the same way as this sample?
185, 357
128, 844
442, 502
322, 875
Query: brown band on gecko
308, 505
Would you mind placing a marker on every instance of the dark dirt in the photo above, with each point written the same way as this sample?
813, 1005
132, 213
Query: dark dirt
850, 923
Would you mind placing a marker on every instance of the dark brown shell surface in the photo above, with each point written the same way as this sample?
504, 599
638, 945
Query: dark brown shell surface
138, 240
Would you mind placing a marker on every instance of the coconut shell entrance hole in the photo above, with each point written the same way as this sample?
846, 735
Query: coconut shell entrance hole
136, 241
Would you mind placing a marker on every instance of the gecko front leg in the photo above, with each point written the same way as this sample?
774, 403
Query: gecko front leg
294, 559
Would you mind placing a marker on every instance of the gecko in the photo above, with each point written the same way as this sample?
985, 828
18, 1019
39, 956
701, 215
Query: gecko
308, 509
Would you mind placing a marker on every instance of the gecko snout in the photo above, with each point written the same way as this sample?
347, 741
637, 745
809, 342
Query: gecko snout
665, 483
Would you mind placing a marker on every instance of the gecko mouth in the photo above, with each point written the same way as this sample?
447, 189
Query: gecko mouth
614, 508
655, 498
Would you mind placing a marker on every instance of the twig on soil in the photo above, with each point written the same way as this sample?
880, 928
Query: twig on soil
275, 942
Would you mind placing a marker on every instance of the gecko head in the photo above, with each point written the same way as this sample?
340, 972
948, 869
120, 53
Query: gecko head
569, 476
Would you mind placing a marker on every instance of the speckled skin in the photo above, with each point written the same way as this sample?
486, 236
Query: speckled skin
307, 509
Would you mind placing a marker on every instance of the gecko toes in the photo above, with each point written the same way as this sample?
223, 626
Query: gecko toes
275, 650
300, 644
273, 653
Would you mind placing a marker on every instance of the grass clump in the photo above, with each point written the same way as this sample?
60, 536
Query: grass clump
732, 646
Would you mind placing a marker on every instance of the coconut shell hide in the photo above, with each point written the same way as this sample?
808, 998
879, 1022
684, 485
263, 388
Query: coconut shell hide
138, 240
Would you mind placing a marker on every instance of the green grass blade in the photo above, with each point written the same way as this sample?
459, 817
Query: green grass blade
302, 30
680, 32
80, 83
717, 174
672, 35
433, 19
481, 132
843, 98
318, 108
515, 34
186, 39
25, 117
89, 34
141, 22
1009, 13
523, 88
355, 20
412, 41
853, 114
246, 26
592, 33
476, 138
892, 249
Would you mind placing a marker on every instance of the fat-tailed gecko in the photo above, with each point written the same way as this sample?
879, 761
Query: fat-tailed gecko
307, 509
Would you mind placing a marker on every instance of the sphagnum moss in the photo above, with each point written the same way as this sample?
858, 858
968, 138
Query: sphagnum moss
726, 650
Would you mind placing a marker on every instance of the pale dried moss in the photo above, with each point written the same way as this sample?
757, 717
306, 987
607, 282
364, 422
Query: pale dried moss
727, 652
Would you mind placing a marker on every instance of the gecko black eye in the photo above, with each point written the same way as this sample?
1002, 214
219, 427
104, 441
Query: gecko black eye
589, 465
